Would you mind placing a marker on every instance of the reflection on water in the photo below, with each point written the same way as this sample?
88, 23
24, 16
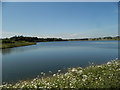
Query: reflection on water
29, 61
18, 49
98, 44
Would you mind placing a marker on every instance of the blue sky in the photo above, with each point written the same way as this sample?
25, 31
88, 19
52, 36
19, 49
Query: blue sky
64, 20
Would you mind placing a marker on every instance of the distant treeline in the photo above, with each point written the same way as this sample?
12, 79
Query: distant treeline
36, 39
100, 38
29, 39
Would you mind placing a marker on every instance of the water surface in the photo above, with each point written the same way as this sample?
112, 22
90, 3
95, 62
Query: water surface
29, 61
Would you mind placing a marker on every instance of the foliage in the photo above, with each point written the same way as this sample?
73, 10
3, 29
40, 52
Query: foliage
34, 39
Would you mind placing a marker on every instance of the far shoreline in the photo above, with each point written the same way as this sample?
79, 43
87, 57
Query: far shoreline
18, 41
34, 43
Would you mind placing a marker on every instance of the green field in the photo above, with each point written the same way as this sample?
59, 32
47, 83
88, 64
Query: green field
15, 44
94, 76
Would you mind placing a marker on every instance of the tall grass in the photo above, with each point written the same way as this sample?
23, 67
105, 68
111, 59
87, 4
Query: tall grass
16, 44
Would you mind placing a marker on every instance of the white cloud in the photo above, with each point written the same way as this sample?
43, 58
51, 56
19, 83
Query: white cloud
5, 34
95, 32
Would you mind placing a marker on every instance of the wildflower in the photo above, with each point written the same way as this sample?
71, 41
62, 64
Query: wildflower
50, 71
40, 87
70, 84
100, 78
96, 82
108, 63
34, 79
99, 66
54, 74
35, 86
41, 72
118, 69
1, 86
32, 82
48, 83
73, 70
59, 70
83, 80
22, 86
80, 72
67, 74
84, 77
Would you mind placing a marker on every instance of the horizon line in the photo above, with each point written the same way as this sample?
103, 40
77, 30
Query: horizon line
60, 37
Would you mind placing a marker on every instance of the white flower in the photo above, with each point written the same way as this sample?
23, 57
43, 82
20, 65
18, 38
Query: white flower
50, 71
83, 80
54, 74
42, 73
22, 86
73, 70
100, 78
48, 83
108, 63
118, 69
84, 77
59, 70
80, 72
99, 66
67, 74
35, 86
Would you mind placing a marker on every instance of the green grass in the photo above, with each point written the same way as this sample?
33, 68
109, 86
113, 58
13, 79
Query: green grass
15, 44
95, 76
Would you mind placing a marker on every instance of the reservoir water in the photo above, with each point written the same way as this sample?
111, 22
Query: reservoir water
28, 62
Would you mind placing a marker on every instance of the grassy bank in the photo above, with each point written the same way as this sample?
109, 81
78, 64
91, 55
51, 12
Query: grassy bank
16, 44
95, 76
